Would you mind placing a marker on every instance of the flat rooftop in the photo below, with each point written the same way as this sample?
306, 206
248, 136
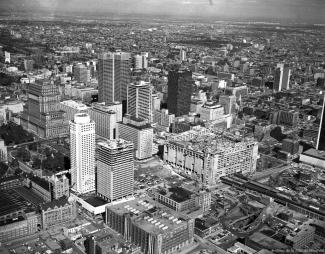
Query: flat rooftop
315, 153
177, 194
151, 216
208, 142
11, 201
95, 201
116, 144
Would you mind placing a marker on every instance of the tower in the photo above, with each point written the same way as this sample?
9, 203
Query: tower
282, 77
180, 85
115, 172
321, 133
113, 76
82, 153
41, 113
140, 62
229, 103
139, 100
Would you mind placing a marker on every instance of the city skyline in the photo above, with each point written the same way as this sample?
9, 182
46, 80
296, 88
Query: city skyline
299, 11
162, 127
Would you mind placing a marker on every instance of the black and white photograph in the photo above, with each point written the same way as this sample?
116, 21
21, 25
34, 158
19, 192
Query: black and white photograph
162, 126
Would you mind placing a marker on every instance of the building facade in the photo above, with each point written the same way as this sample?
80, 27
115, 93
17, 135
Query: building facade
321, 133
140, 62
82, 150
140, 133
139, 100
229, 103
211, 111
180, 199
41, 113
180, 86
71, 107
113, 76
115, 172
155, 229
205, 156
57, 212
59, 186
3, 151
106, 119
18, 224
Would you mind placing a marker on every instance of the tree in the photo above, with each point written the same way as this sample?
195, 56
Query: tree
36, 163
23, 154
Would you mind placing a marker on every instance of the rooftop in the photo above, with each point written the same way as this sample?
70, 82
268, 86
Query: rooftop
204, 140
116, 144
74, 104
55, 203
95, 201
177, 194
150, 216
315, 153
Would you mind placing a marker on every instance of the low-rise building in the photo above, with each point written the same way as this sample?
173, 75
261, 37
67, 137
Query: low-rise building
156, 229
18, 224
301, 236
57, 212
206, 155
180, 199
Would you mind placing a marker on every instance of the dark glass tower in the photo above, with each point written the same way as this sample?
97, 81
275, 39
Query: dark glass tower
114, 74
180, 86
321, 132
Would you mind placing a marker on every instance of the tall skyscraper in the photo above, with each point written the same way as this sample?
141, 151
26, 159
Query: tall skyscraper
180, 85
139, 100
82, 153
321, 132
282, 77
140, 62
113, 76
41, 113
115, 172
182, 55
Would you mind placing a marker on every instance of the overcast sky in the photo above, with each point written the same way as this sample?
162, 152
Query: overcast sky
300, 10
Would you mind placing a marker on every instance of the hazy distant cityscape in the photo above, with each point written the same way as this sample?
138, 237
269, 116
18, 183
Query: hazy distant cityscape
161, 127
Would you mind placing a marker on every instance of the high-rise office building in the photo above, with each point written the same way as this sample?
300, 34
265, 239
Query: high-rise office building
41, 113
139, 100
82, 153
180, 85
115, 172
140, 133
3, 150
113, 76
140, 62
286, 117
228, 102
80, 72
182, 55
106, 121
28, 64
282, 78
321, 132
